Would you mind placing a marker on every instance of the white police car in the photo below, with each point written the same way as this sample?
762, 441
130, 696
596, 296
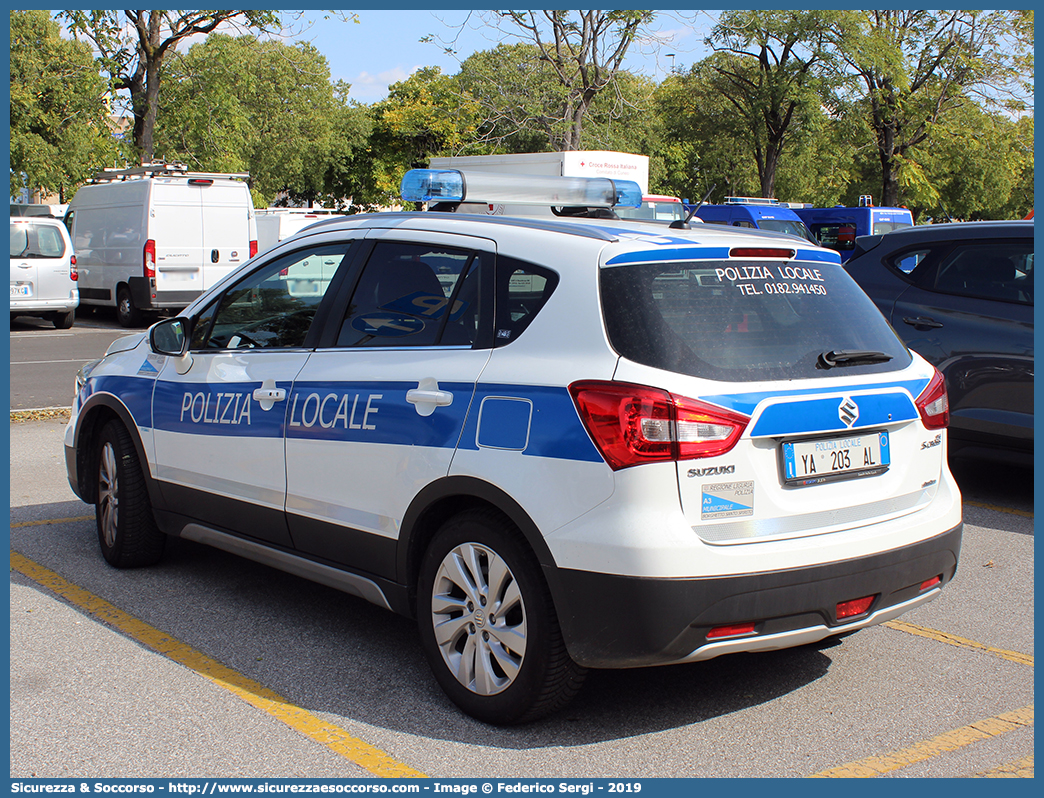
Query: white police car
560, 443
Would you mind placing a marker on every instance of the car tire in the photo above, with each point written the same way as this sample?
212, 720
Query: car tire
64, 321
126, 313
127, 529
505, 668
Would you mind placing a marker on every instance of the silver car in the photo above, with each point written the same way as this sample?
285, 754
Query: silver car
43, 271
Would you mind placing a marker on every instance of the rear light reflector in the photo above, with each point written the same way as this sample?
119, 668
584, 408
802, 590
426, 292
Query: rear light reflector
73, 274
930, 583
634, 424
850, 609
933, 404
760, 252
150, 258
253, 248
733, 630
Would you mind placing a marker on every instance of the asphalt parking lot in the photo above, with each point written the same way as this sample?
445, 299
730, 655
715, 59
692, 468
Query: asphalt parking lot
211, 666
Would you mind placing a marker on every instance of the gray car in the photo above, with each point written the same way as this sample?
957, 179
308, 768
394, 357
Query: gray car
961, 295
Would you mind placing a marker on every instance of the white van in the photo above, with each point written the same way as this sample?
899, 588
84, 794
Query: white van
275, 224
156, 236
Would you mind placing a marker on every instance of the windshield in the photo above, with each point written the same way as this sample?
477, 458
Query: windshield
788, 226
743, 321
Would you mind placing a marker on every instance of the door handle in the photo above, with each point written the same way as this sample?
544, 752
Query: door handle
437, 398
920, 321
427, 396
267, 395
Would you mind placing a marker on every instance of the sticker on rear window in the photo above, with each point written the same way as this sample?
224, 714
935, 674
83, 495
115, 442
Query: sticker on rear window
727, 500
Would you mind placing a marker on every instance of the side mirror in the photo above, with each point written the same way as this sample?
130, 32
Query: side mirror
170, 337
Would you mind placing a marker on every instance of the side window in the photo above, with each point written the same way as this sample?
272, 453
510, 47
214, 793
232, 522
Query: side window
272, 307
906, 262
999, 270
414, 295
522, 290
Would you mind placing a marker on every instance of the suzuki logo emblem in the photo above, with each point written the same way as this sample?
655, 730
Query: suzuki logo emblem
848, 412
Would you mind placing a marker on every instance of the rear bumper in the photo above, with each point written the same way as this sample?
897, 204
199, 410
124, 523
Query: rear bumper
613, 621
34, 306
145, 297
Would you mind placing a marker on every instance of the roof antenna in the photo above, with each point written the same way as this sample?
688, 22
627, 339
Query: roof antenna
678, 224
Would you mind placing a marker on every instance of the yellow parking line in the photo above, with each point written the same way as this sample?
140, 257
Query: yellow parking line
1020, 769
949, 741
954, 640
1000, 509
333, 737
48, 521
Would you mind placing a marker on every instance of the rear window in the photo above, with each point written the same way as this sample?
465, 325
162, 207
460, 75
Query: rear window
880, 228
36, 241
743, 321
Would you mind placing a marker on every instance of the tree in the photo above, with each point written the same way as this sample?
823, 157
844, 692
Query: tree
911, 69
133, 56
59, 130
241, 104
514, 88
772, 70
584, 51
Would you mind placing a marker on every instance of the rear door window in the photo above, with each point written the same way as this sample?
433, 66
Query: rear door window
415, 295
743, 321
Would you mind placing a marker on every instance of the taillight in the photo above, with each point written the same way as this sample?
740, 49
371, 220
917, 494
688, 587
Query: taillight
253, 248
73, 274
634, 424
933, 404
150, 258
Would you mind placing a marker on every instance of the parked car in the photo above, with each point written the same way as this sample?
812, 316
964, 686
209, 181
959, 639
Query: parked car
43, 271
560, 444
961, 295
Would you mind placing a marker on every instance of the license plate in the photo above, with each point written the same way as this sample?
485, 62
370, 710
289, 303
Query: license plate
811, 462
21, 290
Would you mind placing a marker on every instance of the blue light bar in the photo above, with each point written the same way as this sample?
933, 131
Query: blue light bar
454, 185
433, 185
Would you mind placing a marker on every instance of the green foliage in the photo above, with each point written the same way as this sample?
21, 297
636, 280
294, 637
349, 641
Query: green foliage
59, 118
235, 104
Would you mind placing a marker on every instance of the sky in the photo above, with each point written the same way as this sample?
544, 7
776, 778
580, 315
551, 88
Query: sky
384, 47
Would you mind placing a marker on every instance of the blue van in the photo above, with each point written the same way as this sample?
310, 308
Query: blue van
758, 213
838, 227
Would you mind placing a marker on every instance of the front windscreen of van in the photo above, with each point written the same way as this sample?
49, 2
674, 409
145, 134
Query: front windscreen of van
788, 226
744, 321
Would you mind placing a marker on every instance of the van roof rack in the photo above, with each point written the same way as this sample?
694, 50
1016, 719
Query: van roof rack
752, 201
162, 169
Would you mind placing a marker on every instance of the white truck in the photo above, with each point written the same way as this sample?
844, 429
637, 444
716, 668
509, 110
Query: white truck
155, 237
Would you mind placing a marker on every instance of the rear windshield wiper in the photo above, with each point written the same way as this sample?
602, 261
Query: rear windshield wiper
850, 357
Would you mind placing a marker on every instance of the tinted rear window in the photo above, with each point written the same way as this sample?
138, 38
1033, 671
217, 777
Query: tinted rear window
744, 321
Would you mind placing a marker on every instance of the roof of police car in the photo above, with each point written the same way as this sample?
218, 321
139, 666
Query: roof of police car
638, 232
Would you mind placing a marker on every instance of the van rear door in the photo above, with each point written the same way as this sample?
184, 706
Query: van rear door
175, 225
227, 213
